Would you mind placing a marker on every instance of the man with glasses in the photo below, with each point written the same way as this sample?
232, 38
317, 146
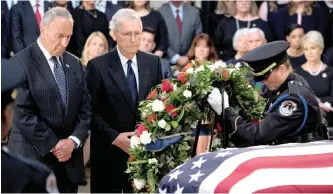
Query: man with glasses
292, 114
117, 81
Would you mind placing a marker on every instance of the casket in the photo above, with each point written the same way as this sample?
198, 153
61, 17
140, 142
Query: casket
287, 168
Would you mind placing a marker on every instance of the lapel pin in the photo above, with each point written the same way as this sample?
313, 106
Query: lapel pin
67, 65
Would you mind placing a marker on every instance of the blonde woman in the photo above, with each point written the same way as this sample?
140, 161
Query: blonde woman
95, 46
304, 13
317, 73
244, 15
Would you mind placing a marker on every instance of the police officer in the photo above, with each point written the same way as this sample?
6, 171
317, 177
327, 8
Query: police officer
292, 113
19, 175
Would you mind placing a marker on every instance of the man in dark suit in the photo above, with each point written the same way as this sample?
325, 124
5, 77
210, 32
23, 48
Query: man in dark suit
19, 175
52, 109
25, 17
184, 24
117, 81
4, 30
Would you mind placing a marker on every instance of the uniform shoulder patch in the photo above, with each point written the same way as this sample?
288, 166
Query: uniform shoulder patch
287, 108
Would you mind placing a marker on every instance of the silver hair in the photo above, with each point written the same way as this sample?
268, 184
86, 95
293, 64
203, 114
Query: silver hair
262, 34
239, 33
52, 13
314, 37
122, 14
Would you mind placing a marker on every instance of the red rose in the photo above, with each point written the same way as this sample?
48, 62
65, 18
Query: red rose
151, 118
218, 127
141, 128
170, 109
182, 78
256, 121
166, 86
152, 94
225, 75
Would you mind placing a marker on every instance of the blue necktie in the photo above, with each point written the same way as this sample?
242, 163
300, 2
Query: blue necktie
60, 78
131, 81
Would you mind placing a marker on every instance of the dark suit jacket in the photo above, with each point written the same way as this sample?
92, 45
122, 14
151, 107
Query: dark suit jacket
24, 28
113, 113
40, 117
4, 30
166, 69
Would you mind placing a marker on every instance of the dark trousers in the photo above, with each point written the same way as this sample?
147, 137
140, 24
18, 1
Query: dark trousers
65, 185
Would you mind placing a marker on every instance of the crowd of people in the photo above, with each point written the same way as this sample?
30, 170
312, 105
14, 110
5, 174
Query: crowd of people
66, 114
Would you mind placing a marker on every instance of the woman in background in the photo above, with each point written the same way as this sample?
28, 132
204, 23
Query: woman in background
154, 20
294, 36
201, 50
244, 15
96, 45
304, 13
318, 75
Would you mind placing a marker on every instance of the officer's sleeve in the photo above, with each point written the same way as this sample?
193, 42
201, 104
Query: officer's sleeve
284, 119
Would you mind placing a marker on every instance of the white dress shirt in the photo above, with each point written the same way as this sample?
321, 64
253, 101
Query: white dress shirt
10, 3
124, 60
51, 64
40, 8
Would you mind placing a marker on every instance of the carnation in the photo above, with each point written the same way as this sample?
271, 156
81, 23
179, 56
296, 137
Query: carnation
135, 141
145, 138
139, 183
187, 94
162, 123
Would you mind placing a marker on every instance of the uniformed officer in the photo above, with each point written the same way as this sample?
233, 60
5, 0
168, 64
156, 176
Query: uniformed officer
19, 175
292, 113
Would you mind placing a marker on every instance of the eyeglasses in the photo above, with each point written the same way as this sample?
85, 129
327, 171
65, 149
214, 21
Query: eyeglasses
129, 35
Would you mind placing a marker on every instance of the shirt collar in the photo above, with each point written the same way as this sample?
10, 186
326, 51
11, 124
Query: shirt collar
124, 60
34, 2
45, 52
174, 8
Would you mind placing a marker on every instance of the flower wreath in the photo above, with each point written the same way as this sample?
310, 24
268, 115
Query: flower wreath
172, 110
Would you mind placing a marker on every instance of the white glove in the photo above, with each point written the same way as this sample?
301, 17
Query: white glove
215, 100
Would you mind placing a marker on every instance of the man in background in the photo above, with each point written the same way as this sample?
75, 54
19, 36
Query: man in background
148, 45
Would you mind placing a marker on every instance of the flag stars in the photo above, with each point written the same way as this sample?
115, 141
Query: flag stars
179, 190
198, 163
222, 154
195, 177
175, 175
164, 191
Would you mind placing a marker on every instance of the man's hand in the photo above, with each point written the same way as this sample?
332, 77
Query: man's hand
63, 150
183, 60
215, 100
122, 141
326, 107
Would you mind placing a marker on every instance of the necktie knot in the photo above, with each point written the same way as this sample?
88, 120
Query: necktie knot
129, 63
55, 61
177, 10
37, 5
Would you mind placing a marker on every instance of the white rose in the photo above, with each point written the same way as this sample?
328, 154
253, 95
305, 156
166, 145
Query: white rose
162, 124
158, 106
145, 137
238, 65
230, 70
152, 161
219, 64
216, 142
201, 68
174, 87
135, 141
189, 71
187, 94
139, 183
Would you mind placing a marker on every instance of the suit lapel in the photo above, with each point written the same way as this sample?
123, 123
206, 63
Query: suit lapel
186, 21
118, 74
172, 22
43, 66
144, 72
